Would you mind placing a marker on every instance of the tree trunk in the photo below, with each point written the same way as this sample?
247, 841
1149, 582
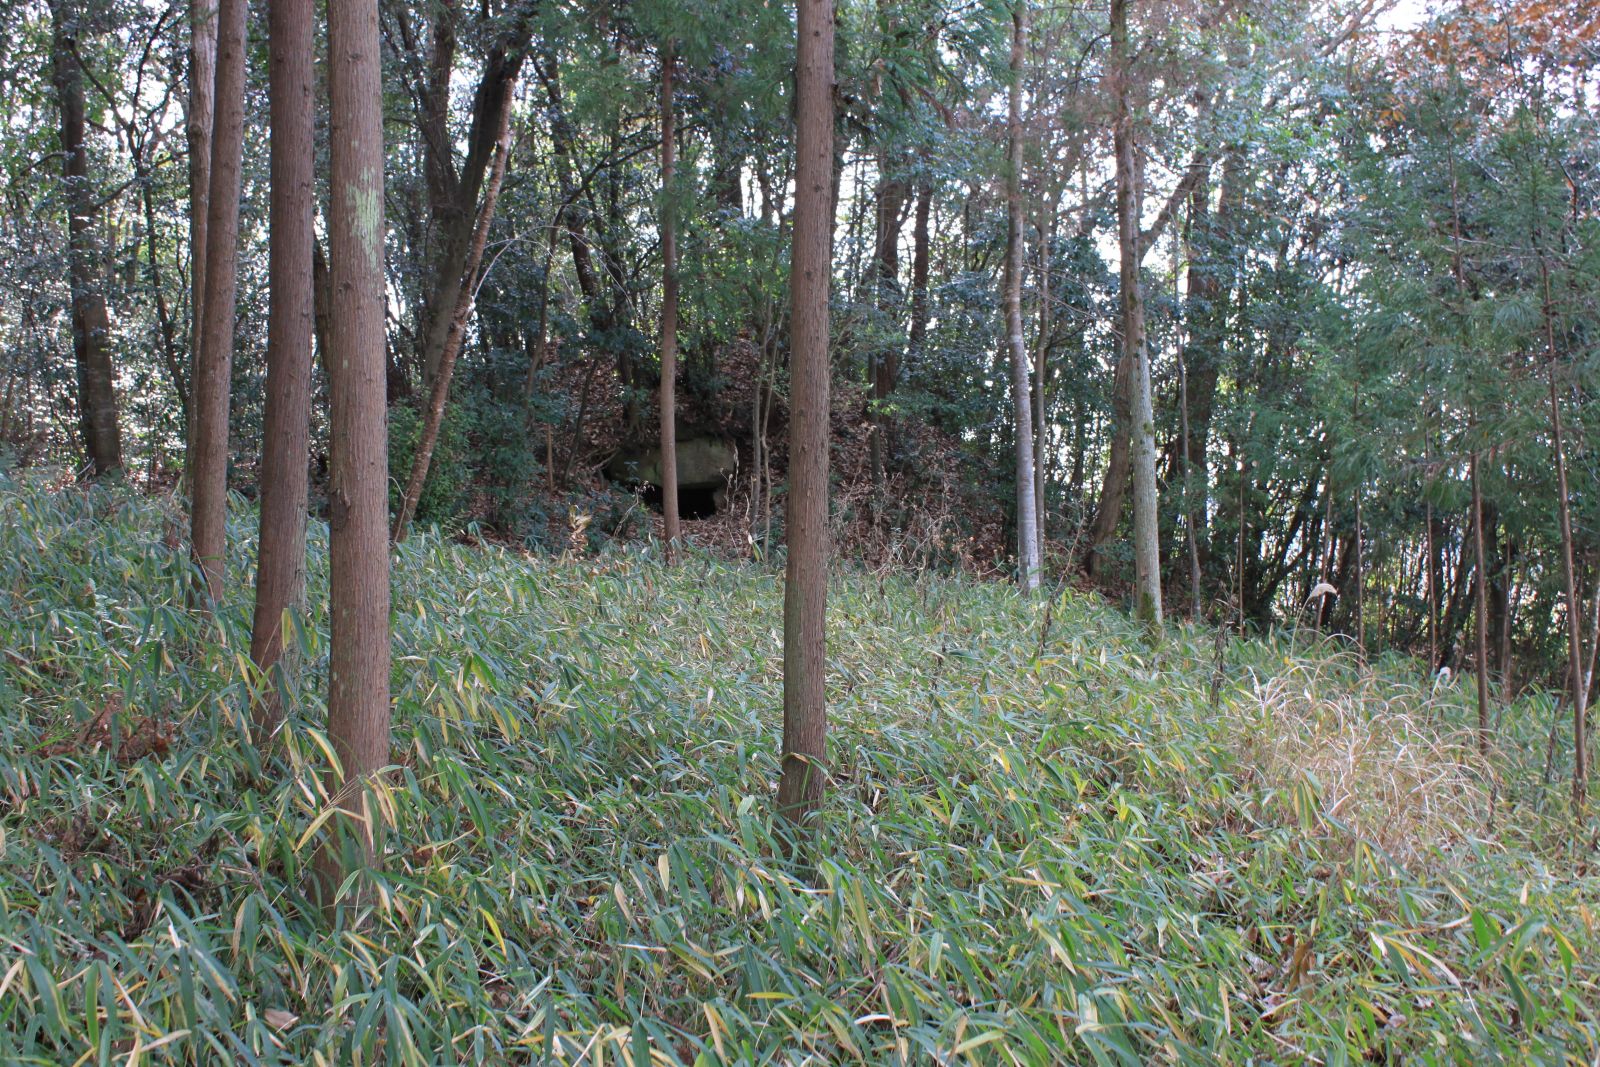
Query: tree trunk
439, 389
1041, 359
805, 722
1209, 288
1142, 429
1021, 392
91, 325
919, 270
1580, 746
281, 556
198, 129
208, 435
459, 194
884, 367
669, 312
1108, 510
1481, 635
358, 589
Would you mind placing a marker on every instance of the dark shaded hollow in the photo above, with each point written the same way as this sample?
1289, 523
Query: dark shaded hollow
694, 502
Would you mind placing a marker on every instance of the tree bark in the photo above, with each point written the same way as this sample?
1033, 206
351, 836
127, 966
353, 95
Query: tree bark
805, 721
439, 389
669, 313
358, 600
1114, 487
1041, 360
457, 195
1481, 634
198, 130
281, 552
1142, 430
919, 270
208, 436
1021, 391
91, 325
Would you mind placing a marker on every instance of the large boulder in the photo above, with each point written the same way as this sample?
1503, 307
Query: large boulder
703, 463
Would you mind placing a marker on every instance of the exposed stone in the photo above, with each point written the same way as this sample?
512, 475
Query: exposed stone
703, 463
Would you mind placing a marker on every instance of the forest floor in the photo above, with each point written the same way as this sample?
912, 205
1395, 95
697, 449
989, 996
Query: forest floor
1047, 839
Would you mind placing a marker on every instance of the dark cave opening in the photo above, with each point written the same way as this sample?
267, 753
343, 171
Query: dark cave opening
694, 502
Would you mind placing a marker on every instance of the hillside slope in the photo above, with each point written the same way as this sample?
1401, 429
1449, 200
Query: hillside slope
1045, 842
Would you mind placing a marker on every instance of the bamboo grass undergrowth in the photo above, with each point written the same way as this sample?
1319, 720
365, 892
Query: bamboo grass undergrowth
1034, 849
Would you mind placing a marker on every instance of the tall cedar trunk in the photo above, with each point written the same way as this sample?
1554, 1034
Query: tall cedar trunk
208, 435
358, 589
1481, 634
669, 313
281, 561
1142, 429
1580, 741
198, 129
1021, 392
805, 594
465, 292
91, 325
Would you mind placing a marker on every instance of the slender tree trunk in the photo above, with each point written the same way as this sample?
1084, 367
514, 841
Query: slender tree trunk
281, 559
884, 364
1146, 531
459, 194
169, 338
1021, 405
1108, 510
919, 270
358, 589
465, 292
1430, 566
1481, 636
1190, 533
669, 311
1580, 745
91, 325
805, 722
208, 437
198, 130
1041, 359
1361, 579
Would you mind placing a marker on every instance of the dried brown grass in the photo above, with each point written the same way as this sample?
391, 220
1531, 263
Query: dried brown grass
1363, 764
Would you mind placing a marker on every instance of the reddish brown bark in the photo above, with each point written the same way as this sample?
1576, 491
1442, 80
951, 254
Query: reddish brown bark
198, 129
358, 600
805, 722
280, 566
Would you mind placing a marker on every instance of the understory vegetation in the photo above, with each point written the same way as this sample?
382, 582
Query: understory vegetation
1047, 839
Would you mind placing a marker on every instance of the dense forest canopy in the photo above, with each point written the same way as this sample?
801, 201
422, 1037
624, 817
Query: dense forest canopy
1366, 251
